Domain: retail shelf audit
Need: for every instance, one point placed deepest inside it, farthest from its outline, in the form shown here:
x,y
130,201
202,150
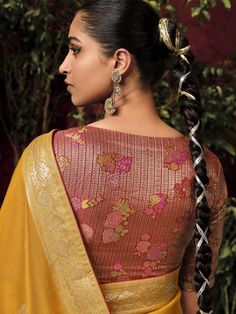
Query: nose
x,y
65,66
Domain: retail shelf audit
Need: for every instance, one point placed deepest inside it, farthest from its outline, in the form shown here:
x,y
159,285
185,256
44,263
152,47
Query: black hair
x,y
133,25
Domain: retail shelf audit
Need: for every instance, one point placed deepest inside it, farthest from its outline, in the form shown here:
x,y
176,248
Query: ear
x,y
123,60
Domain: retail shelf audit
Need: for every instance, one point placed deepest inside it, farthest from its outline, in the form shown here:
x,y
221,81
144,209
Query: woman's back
x,y
134,203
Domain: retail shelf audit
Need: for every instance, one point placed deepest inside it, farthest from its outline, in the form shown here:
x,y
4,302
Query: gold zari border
x,y
141,296
60,236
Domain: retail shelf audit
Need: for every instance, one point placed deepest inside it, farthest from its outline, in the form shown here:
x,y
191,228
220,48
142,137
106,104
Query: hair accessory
x,y
110,102
199,199
164,35
202,312
203,237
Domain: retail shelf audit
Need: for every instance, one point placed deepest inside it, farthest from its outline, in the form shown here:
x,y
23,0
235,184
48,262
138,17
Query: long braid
x,y
190,108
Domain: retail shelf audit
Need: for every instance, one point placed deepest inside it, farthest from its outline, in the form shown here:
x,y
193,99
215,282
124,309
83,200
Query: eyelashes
x,y
75,50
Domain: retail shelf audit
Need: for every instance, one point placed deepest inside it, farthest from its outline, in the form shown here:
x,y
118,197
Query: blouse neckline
x,y
178,138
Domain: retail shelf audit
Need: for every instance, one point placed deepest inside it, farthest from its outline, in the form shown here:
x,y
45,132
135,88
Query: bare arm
x,y
189,302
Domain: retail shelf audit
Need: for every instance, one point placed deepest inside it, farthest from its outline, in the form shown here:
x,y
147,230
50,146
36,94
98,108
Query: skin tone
x,y
88,76
85,65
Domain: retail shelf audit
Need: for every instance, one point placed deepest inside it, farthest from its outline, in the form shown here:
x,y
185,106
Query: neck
x,y
134,108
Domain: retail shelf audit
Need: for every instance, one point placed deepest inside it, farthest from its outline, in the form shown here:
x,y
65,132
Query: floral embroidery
x,y
115,165
154,254
143,245
119,273
157,253
183,189
116,223
63,162
76,137
174,158
78,203
156,205
113,180
88,232
148,269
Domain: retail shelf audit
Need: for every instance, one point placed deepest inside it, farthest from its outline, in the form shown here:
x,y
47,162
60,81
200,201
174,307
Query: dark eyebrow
x,y
73,38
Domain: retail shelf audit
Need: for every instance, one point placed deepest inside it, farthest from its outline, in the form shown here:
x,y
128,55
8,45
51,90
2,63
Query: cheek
x,y
89,74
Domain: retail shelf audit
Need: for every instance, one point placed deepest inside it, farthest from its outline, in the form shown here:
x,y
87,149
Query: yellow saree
x,y
44,267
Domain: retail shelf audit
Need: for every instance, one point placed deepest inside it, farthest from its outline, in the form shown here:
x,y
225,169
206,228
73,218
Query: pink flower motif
x,y
174,159
113,219
161,205
123,278
76,204
75,143
183,189
117,266
88,232
148,269
113,180
179,157
153,253
156,205
107,162
123,164
142,247
148,211
108,165
109,235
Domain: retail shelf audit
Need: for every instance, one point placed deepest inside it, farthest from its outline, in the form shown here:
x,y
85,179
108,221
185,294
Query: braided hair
x,y
190,108
134,25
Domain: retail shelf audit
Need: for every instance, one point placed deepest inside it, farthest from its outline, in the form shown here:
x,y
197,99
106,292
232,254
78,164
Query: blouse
x,y
133,199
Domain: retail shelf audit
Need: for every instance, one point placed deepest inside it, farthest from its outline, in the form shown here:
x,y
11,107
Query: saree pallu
x,y
44,267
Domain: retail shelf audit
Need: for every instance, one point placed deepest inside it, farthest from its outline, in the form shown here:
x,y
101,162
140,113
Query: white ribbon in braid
x,y
165,37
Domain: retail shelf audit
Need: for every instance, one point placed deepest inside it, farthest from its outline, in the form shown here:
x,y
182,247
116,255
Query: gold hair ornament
x,y
165,37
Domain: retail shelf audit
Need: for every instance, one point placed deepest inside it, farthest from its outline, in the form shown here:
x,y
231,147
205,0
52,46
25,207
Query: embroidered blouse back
x,y
132,196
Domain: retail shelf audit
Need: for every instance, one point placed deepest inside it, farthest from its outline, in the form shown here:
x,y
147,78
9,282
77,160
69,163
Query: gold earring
x,y
110,102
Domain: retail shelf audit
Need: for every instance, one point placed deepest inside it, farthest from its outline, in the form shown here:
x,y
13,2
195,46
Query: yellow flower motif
x,y
154,200
85,204
91,203
76,136
63,163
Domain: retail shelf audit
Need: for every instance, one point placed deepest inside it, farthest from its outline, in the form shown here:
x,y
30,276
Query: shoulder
x,y
42,141
76,135
217,186
213,163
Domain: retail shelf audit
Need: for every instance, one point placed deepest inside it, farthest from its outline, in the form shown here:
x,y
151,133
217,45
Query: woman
x,y
124,215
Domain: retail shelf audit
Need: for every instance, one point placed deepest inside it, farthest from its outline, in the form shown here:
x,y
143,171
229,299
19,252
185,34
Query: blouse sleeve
x,y
218,210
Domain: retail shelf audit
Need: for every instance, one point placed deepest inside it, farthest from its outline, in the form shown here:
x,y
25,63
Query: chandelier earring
x,y
110,102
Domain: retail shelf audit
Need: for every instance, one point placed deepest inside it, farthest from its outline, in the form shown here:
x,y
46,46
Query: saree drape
x,y
44,267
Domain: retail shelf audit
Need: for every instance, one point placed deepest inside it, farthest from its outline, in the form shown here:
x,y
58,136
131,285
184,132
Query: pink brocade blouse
x,y
132,196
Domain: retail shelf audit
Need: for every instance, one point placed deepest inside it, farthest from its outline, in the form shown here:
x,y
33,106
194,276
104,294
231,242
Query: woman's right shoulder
x,y
217,186
213,163
48,138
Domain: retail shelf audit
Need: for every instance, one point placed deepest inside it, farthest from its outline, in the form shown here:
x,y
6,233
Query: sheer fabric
x,y
132,197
